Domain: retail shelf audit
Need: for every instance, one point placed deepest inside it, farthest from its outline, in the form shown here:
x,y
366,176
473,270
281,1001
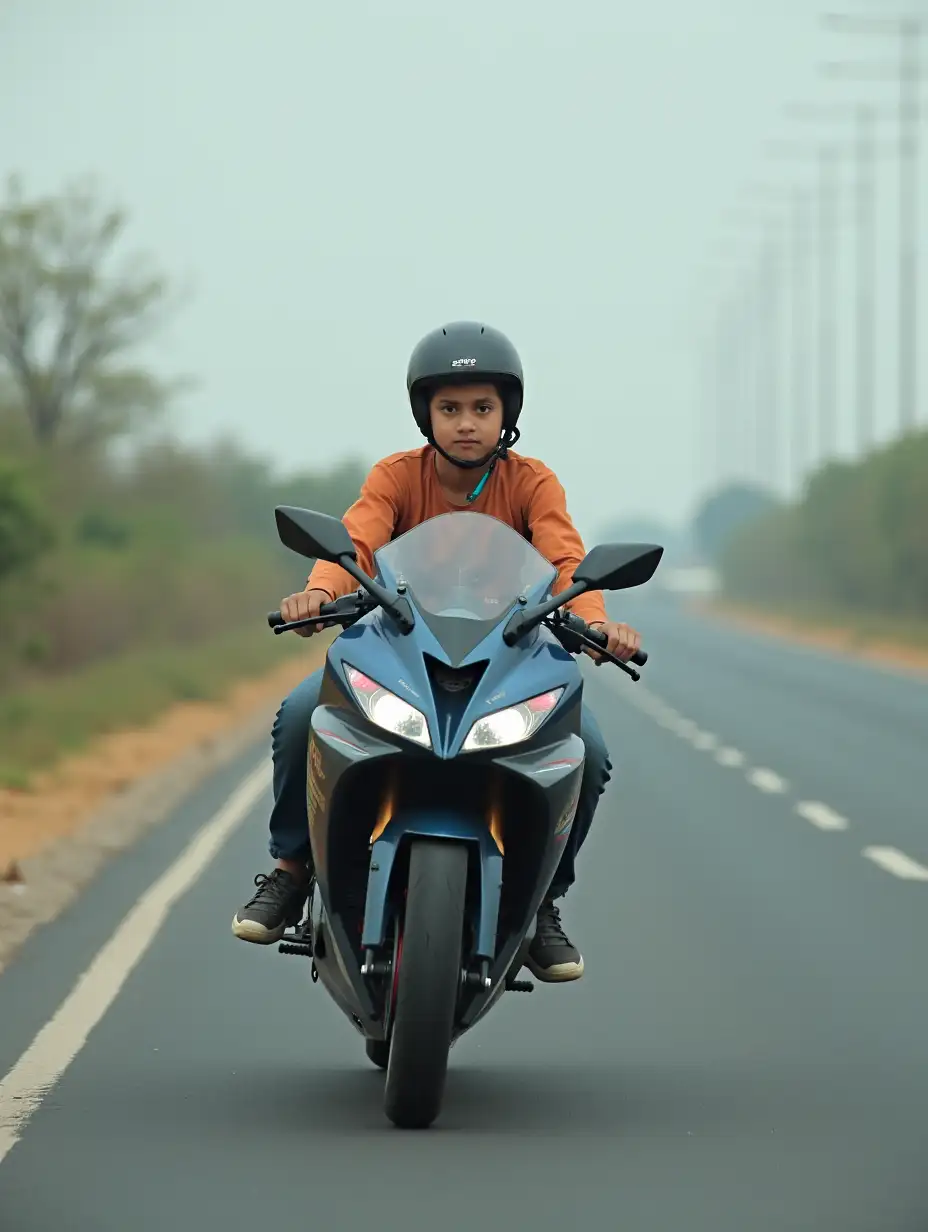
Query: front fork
x,y
438,824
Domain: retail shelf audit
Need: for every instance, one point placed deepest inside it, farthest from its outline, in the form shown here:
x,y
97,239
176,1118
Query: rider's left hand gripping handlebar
x,y
640,657
578,625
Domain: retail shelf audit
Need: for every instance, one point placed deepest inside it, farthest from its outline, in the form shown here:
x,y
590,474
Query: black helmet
x,y
466,352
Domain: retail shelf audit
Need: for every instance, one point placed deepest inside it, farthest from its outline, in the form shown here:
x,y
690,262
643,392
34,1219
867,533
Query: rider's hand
x,y
303,606
623,641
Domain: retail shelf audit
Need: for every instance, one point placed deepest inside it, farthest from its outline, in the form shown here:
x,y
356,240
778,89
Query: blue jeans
x,y
289,822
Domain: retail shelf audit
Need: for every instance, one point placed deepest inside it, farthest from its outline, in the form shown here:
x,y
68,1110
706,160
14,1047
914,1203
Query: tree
x,y
856,540
68,321
727,512
644,529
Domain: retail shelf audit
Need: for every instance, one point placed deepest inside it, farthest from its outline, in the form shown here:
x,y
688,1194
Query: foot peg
x,y
299,942
520,986
304,951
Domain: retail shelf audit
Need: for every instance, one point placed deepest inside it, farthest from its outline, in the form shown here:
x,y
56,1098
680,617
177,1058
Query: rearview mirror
x,y
315,535
618,566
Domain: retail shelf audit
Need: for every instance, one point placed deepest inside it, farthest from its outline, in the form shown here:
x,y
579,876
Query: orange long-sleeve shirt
x,y
403,490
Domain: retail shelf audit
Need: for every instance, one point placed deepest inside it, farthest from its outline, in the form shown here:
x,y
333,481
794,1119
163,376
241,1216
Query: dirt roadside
x,y
57,836
900,656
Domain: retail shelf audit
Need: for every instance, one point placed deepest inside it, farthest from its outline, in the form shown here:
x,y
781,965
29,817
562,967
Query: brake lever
x,y
610,658
327,622
574,641
300,624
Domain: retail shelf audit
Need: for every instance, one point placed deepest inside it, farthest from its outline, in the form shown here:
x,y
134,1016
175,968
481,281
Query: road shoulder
x,y
846,642
55,840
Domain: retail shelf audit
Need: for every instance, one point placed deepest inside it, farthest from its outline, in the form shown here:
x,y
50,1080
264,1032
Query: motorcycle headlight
x,y
387,710
512,725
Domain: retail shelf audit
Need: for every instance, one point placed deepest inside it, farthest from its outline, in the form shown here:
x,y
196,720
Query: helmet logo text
x,y
463,363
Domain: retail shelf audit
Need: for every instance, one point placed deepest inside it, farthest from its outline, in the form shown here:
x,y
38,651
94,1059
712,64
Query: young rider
x,y
465,385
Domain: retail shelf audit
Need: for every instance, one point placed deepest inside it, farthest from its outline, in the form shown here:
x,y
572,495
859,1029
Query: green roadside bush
x,y
856,542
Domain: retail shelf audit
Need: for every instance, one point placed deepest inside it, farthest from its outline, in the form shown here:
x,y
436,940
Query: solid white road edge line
x,y
61,1039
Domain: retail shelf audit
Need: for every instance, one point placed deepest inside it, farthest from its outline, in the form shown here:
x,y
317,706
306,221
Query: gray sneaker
x,y
551,956
277,904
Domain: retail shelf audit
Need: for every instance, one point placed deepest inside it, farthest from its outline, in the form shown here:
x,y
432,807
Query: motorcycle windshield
x,y
464,572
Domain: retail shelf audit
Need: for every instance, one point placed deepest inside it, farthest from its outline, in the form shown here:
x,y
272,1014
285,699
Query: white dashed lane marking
x,y
705,741
820,815
897,863
731,758
766,781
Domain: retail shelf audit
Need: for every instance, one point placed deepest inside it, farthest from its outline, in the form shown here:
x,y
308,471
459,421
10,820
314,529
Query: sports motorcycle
x,y
444,771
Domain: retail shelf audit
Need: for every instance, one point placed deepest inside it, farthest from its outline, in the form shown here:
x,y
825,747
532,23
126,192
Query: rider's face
x,y
467,420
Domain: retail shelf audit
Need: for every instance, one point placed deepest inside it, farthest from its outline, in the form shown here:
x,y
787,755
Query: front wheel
x,y
428,984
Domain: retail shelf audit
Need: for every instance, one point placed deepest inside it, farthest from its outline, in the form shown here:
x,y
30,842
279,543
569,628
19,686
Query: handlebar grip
x,y
640,657
328,611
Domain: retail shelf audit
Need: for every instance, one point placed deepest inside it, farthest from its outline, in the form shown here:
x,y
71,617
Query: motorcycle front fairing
x,y
369,789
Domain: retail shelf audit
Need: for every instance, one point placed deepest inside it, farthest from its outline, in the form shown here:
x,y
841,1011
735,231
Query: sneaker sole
x,y
560,973
257,934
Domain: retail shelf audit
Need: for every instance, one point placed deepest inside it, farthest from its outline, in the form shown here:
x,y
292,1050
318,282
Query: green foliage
x,y
173,547
857,541
726,513
129,582
40,722
165,545
102,528
25,533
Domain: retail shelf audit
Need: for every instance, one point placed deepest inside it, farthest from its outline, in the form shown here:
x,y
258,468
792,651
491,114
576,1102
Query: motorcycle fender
x,y
444,825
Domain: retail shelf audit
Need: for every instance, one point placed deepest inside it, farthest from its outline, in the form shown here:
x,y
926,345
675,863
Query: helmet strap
x,y
506,441
509,438
460,463
492,458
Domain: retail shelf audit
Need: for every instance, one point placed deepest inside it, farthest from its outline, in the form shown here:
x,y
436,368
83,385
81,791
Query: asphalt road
x,y
747,1050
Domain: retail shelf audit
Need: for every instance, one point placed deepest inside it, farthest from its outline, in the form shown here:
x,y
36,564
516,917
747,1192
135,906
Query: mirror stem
x,y
398,607
524,621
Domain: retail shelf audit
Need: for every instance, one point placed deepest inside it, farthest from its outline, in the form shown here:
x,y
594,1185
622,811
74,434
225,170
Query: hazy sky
x,y
337,178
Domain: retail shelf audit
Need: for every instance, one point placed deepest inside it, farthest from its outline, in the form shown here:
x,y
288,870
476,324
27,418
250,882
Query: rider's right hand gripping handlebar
x,y
276,621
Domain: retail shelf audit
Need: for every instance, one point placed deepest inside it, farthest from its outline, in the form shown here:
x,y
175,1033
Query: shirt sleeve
x,y
370,522
558,540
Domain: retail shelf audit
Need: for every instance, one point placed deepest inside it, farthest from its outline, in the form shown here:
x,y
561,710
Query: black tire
x,y
429,983
378,1051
